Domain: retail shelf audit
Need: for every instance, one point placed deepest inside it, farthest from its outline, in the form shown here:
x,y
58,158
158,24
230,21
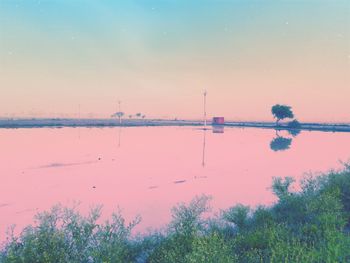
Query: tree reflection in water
x,y
294,132
280,143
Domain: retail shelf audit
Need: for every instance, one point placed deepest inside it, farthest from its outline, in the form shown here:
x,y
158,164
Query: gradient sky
x,y
158,56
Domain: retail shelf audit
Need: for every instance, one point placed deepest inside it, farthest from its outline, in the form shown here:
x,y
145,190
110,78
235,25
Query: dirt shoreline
x,y
60,123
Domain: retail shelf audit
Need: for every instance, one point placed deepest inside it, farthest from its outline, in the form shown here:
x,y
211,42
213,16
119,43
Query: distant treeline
x,y
311,225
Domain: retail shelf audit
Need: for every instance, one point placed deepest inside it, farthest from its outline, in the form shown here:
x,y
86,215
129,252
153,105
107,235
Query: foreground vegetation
x,y
311,225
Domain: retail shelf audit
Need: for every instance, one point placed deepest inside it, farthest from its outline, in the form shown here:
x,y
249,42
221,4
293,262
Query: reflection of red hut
x,y
218,121
218,129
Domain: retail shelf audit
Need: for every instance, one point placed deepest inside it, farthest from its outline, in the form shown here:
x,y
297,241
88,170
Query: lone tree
x,y
281,112
118,115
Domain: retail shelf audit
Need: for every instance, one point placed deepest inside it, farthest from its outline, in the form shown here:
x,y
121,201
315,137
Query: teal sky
x,y
158,56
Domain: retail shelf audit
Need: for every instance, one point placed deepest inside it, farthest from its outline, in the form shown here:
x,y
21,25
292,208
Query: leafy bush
x,y
186,226
211,248
311,225
237,215
63,235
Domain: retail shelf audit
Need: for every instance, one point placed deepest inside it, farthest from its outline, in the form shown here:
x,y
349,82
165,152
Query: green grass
x,y
311,225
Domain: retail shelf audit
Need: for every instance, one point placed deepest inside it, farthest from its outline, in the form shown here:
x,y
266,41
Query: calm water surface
x,y
147,170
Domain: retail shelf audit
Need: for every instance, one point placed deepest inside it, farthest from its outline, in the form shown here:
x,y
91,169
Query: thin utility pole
x,y
79,121
205,108
119,112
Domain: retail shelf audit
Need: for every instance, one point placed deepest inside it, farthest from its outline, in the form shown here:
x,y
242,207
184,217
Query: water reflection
x,y
156,168
119,135
215,129
280,143
218,129
57,165
203,153
294,132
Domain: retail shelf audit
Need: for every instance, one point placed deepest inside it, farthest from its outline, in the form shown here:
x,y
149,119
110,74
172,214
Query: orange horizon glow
x,y
157,58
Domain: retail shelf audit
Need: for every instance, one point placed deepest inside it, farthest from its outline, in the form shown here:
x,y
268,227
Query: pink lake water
x,y
147,170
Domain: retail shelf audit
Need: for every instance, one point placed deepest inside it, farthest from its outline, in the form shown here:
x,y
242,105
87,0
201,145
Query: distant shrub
x,y
294,124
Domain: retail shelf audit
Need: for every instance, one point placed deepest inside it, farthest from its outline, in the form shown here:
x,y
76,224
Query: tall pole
x,y
79,121
120,117
205,108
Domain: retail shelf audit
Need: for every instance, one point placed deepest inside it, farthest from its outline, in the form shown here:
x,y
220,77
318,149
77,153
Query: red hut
x,y
218,121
